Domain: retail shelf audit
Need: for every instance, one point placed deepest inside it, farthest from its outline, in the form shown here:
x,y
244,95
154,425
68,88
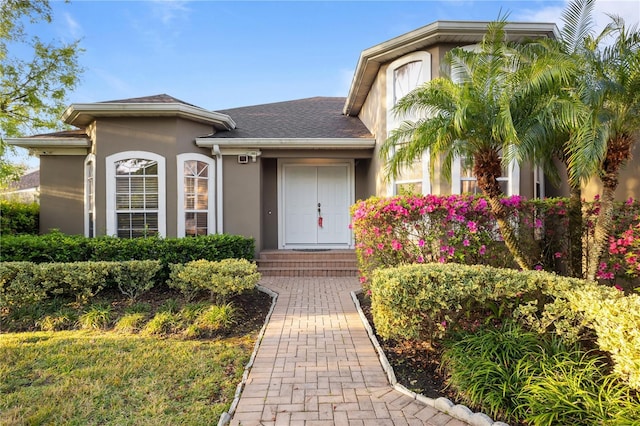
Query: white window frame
x,y
512,178
394,122
211,207
90,195
110,161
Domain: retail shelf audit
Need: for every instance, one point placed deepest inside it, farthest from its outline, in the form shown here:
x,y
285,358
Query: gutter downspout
x,y
215,150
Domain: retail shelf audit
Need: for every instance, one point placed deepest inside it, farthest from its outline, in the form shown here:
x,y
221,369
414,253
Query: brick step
x,y
308,272
296,263
290,263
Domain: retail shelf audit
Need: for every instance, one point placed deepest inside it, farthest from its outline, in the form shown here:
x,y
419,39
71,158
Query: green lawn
x,y
90,378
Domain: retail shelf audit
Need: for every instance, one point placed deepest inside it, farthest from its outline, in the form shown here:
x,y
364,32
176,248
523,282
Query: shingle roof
x,y
74,133
26,181
153,99
319,117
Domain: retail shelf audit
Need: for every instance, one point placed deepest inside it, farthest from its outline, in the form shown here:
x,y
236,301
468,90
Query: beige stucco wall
x,y
167,137
374,115
62,193
242,198
629,179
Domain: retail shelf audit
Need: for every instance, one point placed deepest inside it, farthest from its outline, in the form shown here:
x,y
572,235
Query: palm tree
x,y
594,114
559,109
604,142
469,118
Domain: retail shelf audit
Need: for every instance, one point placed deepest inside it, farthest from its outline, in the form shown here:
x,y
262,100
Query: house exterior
x,y
24,190
283,173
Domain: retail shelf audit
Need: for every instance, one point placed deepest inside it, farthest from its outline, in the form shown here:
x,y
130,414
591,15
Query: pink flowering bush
x,y
620,265
431,228
460,229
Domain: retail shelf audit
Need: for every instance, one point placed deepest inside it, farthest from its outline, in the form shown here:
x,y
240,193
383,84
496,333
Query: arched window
x,y
136,197
404,75
196,184
89,196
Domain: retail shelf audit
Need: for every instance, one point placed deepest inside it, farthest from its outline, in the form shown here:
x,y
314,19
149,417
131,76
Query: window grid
x,y
137,198
196,197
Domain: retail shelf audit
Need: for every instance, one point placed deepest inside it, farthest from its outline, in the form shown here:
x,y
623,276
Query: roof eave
x,y
288,143
371,59
81,115
49,142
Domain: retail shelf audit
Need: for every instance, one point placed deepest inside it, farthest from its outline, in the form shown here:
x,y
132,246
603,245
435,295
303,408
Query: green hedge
x,y
425,301
58,247
25,283
18,218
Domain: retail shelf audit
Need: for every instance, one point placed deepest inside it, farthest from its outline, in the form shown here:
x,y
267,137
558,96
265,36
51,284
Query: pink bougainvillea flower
x,y
420,259
396,245
618,287
473,227
421,243
538,267
465,242
557,255
380,246
482,250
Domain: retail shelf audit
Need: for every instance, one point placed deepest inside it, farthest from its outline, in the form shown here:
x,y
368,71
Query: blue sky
x,y
218,54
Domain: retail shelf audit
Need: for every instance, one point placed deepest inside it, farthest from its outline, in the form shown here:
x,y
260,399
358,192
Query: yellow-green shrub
x,y
423,301
222,279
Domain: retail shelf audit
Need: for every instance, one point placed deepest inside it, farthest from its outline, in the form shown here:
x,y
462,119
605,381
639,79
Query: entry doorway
x,y
315,200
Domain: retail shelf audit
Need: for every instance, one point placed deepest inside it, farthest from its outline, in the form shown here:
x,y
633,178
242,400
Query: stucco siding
x,y
166,137
62,194
242,198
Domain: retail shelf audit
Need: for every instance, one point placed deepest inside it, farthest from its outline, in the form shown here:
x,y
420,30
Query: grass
x,y
89,377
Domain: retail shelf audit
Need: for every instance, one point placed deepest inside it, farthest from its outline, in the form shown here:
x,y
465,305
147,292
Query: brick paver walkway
x,y
317,366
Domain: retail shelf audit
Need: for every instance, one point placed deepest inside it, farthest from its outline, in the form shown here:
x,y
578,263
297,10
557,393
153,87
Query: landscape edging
x,y
225,418
457,411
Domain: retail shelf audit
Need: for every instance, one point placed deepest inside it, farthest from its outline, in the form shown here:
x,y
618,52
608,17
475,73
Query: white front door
x,y
316,201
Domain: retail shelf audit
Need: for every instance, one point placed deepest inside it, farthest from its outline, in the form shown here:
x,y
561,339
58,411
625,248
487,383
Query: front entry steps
x,y
308,263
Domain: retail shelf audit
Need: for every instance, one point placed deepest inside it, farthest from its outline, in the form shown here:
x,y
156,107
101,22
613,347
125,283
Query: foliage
x,y
520,376
575,388
135,277
96,316
19,218
58,247
216,318
490,366
162,323
459,228
130,323
477,114
427,301
85,377
32,89
27,283
222,279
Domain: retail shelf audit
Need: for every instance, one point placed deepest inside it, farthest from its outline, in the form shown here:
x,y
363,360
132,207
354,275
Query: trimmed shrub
x,y
426,301
19,218
135,277
82,280
58,247
222,279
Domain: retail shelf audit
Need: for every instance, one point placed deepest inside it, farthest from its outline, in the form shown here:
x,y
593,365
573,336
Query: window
x,y
195,195
404,75
135,194
89,196
463,180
